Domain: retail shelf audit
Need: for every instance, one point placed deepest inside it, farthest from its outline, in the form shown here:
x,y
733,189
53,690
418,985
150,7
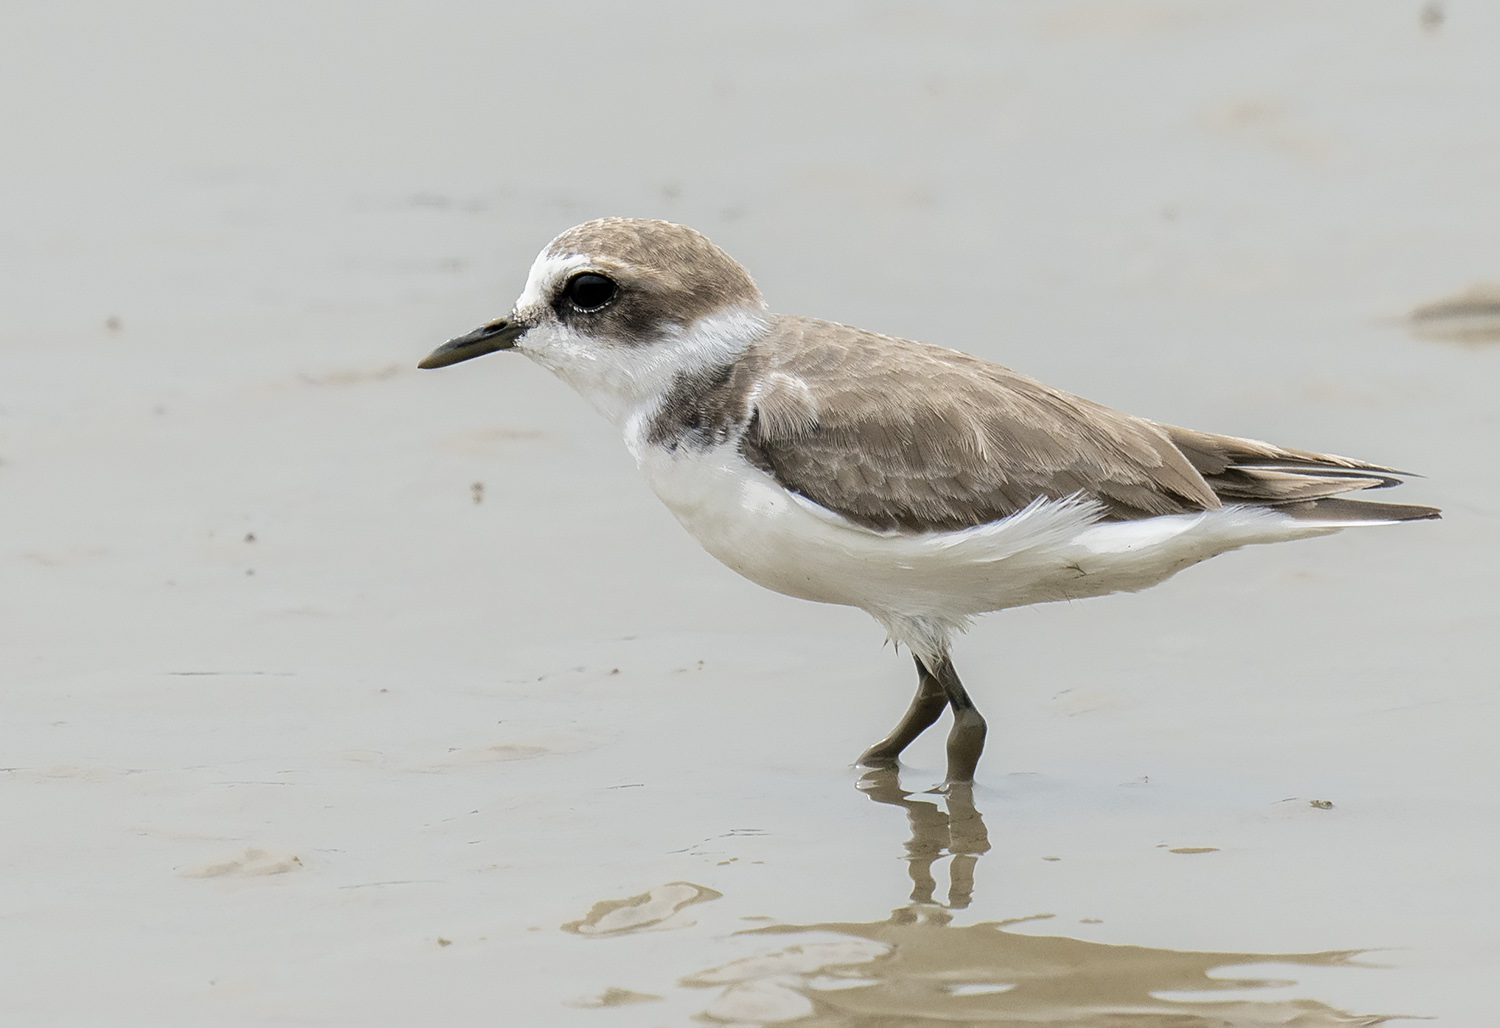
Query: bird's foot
x,y
876,757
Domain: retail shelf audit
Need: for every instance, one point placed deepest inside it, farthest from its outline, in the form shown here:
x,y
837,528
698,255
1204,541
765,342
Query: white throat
x,y
628,381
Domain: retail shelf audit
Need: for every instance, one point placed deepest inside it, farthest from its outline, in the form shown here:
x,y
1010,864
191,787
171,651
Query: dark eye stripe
x,y
589,291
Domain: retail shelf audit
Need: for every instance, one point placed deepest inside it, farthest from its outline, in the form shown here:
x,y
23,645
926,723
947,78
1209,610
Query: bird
x,y
921,484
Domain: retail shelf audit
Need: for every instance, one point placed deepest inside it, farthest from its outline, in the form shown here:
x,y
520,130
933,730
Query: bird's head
x,y
618,306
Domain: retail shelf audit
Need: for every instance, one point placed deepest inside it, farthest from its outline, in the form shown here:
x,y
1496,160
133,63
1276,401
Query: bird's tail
x,y
1306,485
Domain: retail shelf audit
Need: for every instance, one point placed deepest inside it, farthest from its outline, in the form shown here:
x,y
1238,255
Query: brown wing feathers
x,y
900,435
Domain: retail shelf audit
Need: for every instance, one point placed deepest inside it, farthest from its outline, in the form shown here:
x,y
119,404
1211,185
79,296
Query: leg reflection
x,y
957,831
916,967
967,842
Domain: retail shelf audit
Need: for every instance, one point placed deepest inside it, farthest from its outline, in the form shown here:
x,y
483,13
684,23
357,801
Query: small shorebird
x,y
920,484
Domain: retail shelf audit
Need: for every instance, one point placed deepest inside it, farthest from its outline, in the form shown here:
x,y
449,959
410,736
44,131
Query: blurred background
x,y
333,690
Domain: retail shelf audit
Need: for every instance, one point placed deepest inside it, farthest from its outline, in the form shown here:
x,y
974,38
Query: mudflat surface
x,y
338,693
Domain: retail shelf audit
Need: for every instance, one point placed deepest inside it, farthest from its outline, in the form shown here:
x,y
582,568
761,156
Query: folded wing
x,y
898,435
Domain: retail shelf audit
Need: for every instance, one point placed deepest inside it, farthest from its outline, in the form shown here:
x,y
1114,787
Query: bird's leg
x,y
966,738
926,707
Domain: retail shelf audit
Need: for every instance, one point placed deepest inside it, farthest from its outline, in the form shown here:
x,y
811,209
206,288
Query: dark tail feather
x,y
1302,483
1336,510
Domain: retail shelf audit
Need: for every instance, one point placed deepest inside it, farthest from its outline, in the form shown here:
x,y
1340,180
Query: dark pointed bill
x,y
497,335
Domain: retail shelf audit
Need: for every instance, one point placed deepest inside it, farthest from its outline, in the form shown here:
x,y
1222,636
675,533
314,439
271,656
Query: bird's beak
x,y
499,334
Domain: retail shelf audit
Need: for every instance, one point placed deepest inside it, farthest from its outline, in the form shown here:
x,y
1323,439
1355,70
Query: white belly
x,y
1053,550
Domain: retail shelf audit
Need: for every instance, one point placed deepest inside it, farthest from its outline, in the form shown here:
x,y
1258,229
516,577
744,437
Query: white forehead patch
x,y
545,272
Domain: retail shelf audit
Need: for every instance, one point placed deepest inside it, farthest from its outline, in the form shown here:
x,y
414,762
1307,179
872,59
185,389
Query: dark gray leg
x,y
925,708
966,738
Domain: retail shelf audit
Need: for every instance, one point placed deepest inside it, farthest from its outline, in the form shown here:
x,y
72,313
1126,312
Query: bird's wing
x,y
898,435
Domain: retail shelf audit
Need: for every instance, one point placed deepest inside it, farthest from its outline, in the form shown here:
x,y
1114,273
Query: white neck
x,y
627,382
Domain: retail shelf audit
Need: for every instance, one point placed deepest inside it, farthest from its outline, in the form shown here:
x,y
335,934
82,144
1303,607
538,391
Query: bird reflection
x,y
958,831
916,968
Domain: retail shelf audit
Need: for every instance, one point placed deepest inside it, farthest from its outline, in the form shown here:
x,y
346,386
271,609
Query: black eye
x,y
589,292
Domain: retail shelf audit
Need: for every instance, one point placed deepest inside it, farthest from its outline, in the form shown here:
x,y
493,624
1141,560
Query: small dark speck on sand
x,y
477,492
249,537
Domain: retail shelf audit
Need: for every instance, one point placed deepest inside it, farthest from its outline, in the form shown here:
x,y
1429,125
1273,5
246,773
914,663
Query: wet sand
x,y
341,693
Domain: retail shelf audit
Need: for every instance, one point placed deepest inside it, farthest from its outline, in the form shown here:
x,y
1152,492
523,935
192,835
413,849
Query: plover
x,y
918,483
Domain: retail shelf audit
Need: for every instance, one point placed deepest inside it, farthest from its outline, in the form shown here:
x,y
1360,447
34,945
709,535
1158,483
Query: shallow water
x,y
341,693
917,966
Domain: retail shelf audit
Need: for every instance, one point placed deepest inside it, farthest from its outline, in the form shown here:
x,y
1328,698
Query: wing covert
x,y
899,435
